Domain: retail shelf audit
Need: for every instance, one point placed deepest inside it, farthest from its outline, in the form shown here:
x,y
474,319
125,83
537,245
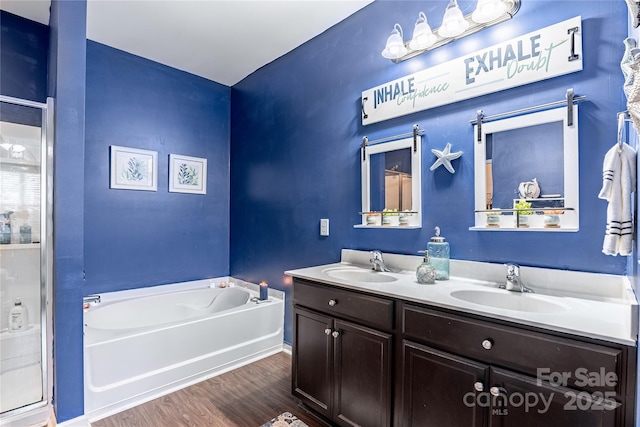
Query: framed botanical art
x,y
134,169
187,174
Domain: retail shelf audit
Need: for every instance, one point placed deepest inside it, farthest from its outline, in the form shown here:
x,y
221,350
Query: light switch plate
x,y
324,227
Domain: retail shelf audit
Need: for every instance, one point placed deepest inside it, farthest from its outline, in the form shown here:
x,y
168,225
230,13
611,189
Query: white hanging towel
x,y
618,182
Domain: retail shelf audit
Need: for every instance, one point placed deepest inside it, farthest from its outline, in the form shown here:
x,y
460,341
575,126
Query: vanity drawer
x,y
370,310
518,349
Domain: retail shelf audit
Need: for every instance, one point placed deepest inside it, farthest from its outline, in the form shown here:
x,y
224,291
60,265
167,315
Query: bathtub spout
x,y
258,300
91,299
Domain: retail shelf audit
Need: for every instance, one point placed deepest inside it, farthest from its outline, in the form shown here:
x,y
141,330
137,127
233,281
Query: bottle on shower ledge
x,y
439,255
25,233
18,317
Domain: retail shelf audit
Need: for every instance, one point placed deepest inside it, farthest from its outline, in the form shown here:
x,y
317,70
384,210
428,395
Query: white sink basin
x,y
359,275
508,300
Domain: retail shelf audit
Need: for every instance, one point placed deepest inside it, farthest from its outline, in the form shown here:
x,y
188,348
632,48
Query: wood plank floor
x,y
245,397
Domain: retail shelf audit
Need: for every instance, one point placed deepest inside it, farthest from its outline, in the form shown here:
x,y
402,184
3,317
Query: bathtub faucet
x,y
378,263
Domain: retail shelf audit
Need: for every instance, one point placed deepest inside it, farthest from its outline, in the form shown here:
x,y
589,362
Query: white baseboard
x,y
81,421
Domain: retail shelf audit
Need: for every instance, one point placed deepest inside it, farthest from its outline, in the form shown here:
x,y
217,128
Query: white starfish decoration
x,y
444,158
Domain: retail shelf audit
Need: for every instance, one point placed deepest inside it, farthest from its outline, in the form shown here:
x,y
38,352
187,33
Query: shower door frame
x,y
46,253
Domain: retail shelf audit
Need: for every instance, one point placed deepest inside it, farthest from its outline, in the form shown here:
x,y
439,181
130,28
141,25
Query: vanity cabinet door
x,y
342,370
362,375
312,361
522,401
440,389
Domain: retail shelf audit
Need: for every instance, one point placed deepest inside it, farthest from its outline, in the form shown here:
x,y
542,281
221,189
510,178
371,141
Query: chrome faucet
x,y
89,300
378,263
514,282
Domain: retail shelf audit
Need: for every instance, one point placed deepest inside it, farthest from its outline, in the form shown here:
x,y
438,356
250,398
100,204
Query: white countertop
x,y
599,306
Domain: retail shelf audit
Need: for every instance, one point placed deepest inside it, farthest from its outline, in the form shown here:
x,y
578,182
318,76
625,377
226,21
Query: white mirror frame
x,y
569,220
415,219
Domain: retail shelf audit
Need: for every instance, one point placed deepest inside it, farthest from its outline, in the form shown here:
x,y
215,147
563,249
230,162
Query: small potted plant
x,y
523,211
552,218
405,217
372,218
390,217
493,218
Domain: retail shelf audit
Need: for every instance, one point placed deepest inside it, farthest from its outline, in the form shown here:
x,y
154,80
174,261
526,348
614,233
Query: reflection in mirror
x,y
528,162
518,156
391,184
390,176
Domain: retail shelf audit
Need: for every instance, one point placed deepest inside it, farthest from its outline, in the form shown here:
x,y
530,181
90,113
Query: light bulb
x,y
423,37
453,23
488,10
395,48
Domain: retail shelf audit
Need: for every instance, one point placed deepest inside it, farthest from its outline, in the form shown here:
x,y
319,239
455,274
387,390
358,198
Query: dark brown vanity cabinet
x,y
342,368
435,385
443,389
361,359
460,371
520,404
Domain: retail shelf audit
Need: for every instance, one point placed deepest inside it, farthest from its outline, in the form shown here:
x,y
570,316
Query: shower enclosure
x,y
26,148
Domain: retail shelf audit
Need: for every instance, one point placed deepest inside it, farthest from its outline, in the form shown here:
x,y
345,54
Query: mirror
x,y
391,180
526,172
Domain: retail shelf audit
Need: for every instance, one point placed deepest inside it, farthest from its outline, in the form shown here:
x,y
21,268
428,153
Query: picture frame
x,y
133,169
187,174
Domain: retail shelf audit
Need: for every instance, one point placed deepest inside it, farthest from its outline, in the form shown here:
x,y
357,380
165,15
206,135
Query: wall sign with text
x,y
550,52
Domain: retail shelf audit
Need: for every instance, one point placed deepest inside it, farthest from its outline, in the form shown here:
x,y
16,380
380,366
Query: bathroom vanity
x,y
378,349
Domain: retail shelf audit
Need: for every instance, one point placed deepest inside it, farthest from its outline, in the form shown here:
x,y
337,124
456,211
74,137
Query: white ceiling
x,y
221,40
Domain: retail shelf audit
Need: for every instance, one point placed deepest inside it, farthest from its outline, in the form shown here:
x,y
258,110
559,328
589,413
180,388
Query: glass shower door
x,y
23,257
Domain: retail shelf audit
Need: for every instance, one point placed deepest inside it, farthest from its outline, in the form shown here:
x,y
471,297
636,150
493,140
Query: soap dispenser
x,y
439,255
426,273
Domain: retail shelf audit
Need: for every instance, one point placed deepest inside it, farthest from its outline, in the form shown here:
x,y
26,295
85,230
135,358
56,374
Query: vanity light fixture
x,y
395,47
423,37
454,26
453,22
488,10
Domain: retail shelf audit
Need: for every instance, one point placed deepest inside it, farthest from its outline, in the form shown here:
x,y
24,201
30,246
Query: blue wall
x,y
24,50
143,238
67,62
296,132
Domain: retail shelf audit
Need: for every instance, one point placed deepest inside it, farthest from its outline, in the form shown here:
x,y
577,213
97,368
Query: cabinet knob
x,y
478,386
495,391
332,302
335,334
327,331
487,344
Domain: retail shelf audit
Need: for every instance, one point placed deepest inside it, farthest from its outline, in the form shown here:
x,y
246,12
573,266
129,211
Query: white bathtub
x,y
141,344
